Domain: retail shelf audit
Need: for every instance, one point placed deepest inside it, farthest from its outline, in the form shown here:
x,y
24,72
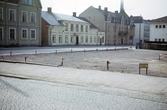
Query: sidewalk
x,y
128,82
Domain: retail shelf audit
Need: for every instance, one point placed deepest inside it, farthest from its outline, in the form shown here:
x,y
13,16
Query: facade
x,y
20,22
60,29
118,27
158,29
142,30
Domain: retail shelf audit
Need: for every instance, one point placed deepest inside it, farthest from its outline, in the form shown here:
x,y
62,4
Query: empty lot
x,y
124,61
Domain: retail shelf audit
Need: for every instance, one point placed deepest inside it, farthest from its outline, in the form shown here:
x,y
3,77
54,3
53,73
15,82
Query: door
x,y
77,40
100,41
122,41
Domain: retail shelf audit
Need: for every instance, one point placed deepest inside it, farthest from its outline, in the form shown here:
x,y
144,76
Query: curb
x,y
84,50
5,61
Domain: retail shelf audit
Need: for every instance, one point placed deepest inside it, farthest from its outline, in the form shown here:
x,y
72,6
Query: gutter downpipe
x,y
51,35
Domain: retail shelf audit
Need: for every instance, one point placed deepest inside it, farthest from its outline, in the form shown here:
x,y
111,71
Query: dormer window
x,y
29,2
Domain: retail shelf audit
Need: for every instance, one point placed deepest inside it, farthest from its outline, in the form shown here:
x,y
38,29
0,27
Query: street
x,y
26,86
19,94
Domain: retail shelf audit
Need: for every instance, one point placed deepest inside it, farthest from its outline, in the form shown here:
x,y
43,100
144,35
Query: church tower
x,y
122,6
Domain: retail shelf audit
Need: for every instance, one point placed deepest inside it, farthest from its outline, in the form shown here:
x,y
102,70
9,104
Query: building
x,y
158,29
142,30
20,22
118,27
60,30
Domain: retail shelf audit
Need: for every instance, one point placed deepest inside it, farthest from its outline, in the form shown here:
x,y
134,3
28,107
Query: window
x,y
60,39
156,26
33,34
86,28
24,16
1,13
1,33
66,29
12,15
33,17
12,33
81,39
54,38
159,40
72,39
155,39
28,2
95,39
77,28
81,28
90,39
86,39
98,40
66,39
160,26
164,26
108,28
146,35
163,40
72,27
24,33
102,39
109,18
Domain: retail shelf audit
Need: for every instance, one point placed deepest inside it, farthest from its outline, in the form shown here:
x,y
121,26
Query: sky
x,y
148,9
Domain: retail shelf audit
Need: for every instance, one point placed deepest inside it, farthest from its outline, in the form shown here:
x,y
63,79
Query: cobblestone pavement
x,y
17,94
124,61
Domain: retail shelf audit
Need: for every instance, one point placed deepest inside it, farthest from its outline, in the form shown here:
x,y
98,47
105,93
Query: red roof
x,y
11,1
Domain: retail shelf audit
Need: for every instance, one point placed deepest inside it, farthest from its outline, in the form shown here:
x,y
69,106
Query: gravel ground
x,y
124,61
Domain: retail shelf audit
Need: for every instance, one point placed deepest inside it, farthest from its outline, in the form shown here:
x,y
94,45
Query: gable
x,y
91,11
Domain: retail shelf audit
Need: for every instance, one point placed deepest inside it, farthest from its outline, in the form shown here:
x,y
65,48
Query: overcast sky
x,y
148,9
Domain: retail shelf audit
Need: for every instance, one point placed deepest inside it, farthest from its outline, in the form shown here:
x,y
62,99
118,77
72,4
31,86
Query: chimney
x,y
49,9
99,7
116,12
74,14
106,9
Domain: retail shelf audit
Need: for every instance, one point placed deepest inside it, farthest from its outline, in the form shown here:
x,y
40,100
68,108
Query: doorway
x,y
100,41
77,40
122,41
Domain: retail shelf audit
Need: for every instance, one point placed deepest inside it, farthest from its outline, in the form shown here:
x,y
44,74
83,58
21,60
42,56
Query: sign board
x,y
143,65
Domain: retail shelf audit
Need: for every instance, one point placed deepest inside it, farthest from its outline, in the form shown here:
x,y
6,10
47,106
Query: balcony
x,y
123,33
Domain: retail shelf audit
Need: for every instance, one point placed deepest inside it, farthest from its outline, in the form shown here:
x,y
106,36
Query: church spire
x,y
122,6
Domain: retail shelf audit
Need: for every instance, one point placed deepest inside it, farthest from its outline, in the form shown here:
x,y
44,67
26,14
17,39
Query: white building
x,y
142,30
60,29
158,29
